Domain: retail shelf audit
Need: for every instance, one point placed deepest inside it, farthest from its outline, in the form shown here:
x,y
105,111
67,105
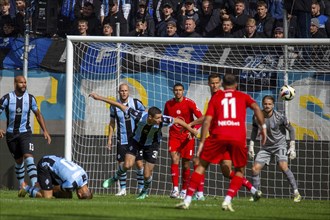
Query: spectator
x,y
9,29
250,30
116,16
301,9
187,11
227,26
4,14
79,7
278,32
107,29
275,9
82,27
20,14
143,15
171,29
209,21
88,14
239,18
140,29
315,29
161,28
316,13
190,28
158,6
264,21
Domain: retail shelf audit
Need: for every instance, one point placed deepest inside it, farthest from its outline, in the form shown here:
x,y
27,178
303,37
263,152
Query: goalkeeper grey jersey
x,y
277,124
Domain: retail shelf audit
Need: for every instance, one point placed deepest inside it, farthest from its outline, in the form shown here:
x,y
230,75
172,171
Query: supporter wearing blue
x,y
316,13
59,177
264,20
17,106
146,137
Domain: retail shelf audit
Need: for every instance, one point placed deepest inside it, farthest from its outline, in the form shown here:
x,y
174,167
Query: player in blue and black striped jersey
x,y
146,137
58,177
125,128
17,105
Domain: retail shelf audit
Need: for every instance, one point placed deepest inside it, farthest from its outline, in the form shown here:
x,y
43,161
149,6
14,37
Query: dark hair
x,y
268,97
178,84
229,79
154,111
213,75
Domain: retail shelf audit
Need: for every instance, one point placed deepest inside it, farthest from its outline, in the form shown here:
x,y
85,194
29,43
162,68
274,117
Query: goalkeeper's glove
x,y
251,150
292,151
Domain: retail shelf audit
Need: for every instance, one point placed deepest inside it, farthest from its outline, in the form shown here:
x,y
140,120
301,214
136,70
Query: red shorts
x,y
215,150
184,146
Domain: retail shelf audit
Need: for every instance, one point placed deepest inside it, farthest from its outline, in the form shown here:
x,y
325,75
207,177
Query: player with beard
x,y
17,105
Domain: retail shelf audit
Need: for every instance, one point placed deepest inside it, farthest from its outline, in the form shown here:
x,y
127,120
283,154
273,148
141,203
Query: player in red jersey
x,y
181,144
225,119
214,82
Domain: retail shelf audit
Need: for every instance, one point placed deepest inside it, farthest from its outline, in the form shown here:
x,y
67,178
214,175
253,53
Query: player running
x,y
277,124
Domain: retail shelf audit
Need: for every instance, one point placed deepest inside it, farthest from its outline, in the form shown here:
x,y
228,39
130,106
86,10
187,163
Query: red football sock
x,y
247,184
185,178
234,186
200,188
175,174
195,181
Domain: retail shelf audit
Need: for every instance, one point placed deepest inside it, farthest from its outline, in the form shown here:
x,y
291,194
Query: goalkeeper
x,y
277,124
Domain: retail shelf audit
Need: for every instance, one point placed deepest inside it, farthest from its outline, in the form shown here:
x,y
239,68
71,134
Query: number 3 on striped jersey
x,y
229,103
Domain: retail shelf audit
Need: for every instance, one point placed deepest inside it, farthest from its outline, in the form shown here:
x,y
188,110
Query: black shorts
x,y
150,153
122,150
45,177
19,144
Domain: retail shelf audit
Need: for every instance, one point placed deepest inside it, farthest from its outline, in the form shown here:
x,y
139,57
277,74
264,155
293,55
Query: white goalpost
x,y
151,66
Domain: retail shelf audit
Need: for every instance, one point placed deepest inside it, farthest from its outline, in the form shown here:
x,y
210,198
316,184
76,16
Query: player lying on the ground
x,y
58,177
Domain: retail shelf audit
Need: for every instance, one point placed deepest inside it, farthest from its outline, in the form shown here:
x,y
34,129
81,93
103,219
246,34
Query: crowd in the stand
x,y
171,18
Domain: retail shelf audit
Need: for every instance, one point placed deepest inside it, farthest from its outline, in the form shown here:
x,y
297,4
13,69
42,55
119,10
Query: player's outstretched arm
x,y
261,121
185,125
109,101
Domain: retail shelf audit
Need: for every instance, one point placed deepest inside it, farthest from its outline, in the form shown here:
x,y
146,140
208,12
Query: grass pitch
x,y
155,207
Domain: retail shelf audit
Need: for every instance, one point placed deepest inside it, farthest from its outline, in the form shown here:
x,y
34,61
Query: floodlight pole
x,y
26,40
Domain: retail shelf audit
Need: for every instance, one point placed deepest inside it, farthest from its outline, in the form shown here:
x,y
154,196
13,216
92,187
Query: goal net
x,y
151,66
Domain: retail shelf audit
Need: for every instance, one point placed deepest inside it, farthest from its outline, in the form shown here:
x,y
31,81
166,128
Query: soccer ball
x,y
287,93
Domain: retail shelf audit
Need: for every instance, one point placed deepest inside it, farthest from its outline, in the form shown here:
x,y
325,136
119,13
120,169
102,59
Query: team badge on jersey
x,y
178,112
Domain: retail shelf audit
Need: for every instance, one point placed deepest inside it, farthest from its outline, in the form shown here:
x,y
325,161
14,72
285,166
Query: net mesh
x,y
151,70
